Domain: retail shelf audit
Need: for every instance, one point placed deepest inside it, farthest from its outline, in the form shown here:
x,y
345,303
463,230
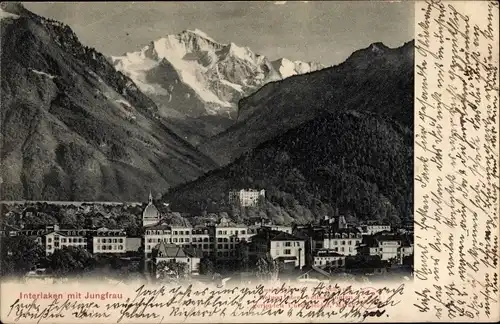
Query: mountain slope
x,y
75,129
375,79
358,162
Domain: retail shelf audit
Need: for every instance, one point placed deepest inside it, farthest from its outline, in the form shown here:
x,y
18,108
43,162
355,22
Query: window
x,y
175,232
288,251
49,247
205,246
226,246
181,240
175,240
219,246
242,232
187,239
63,240
49,240
219,239
288,243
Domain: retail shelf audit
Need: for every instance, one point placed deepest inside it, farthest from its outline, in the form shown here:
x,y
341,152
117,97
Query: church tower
x,y
150,215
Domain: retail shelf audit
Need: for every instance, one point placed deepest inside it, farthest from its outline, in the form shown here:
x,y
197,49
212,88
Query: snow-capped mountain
x,y
190,74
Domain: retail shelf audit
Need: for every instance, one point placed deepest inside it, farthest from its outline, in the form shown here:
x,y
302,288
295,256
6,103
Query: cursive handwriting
x,y
456,157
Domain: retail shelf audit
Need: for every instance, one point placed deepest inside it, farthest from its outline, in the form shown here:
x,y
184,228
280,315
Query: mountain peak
x,y
378,47
199,33
214,76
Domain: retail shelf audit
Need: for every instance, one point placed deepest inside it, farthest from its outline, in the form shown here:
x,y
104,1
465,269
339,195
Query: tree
x,y
267,268
206,266
171,270
71,261
262,269
242,252
408,260
19,255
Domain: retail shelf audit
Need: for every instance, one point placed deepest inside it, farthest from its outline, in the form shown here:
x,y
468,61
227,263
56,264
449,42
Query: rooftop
x,y
165,250
273,235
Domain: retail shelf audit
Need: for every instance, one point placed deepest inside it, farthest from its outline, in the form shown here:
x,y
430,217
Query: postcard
x,y
249,162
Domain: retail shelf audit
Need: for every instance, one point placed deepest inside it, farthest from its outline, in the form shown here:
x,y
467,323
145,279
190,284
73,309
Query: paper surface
x,y
456,214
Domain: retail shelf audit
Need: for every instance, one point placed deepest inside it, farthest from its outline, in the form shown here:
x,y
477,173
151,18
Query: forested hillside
x,y
358,162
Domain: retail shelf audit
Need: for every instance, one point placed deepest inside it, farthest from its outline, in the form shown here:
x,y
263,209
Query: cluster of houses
x,y
323,246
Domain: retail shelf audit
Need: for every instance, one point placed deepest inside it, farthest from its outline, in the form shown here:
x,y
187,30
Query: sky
x,y
321,31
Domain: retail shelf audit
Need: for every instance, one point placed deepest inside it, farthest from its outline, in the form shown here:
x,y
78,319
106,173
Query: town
x,y
257,249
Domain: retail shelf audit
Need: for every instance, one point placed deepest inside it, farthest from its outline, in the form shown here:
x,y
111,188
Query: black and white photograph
x,y
213,142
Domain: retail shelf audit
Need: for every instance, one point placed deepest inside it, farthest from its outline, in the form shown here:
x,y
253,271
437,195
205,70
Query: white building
x,y
59,239
109,241
282,246
202,238
387,245
154,234
227,237
343,241
246,198
325,257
